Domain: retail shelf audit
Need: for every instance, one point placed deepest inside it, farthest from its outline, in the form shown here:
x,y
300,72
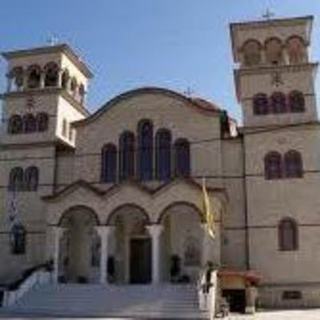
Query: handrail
x,y
30,278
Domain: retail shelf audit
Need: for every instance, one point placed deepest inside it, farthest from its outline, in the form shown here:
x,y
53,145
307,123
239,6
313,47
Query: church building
x,y
116,197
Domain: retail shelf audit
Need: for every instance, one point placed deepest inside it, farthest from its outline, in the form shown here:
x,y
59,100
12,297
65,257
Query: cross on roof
x,y
52,40
268,14
188,92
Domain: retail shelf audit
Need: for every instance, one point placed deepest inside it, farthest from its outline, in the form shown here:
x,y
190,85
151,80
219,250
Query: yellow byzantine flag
x,y
208,214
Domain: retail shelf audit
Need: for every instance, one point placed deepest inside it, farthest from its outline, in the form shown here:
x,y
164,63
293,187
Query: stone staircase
x,y
126,301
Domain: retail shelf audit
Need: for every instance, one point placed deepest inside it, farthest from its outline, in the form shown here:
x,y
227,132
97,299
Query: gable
x,y
184,117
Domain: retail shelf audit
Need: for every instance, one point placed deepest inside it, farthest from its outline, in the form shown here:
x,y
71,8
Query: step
x,y
137,301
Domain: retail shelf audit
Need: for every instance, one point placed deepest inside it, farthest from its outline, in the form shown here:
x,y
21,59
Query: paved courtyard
x,y
281,314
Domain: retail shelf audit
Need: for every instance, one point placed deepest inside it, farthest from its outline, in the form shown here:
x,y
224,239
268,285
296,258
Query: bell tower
x,y
46,90
274,77
45,93
274,81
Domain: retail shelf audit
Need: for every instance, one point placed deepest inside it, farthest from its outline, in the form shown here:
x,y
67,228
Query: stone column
x,y
57,234
155,232
42,79
60,73
285,55
104,232
25,80
9,83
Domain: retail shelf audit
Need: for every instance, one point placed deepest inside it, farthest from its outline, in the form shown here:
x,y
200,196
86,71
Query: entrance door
x,y
236,299
140,260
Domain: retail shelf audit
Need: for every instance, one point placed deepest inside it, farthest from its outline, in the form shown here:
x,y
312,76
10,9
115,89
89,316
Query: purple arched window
x,y
145,150
273,165
163,154
29,123
293,164
296,101
109,163
17,238
182,158
288,235
15,124
260,104
126,156
31,179
16,179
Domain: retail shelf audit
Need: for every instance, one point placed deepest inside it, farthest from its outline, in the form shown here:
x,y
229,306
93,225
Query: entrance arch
x,y
80,245
183,238
131,247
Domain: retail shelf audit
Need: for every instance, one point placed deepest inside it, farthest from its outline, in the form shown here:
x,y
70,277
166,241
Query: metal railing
x,y
15,291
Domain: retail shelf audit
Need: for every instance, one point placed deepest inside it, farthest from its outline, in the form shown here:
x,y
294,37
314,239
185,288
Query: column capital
x,y
58,231
104,230
155,230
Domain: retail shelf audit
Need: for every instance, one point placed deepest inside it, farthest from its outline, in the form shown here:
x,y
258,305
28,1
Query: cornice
x,y
60,48
284,68
283,22
45,91
27,145
131,183
311,125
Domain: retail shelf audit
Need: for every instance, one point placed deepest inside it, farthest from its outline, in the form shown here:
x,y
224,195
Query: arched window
x,y
260,104
278,102
296,50
29,123
65,79
126,155
17,238
252,53
296,101
74,86
163,155
31,178
15,124
182,158
273,48
288,235
51,74
145,150
82,93
293,164
16,179
42,121
109,163
273,165
16,74
34,75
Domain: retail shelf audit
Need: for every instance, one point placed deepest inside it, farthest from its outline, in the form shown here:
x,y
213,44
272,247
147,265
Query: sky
x,y
182,45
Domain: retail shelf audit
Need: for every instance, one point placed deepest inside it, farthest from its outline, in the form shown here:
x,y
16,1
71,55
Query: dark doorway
x,y
236,299
140,260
